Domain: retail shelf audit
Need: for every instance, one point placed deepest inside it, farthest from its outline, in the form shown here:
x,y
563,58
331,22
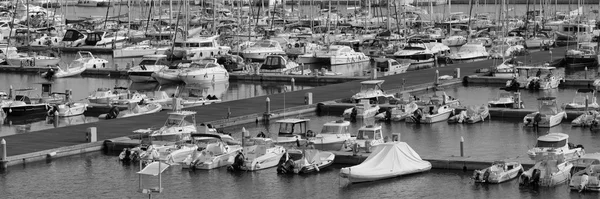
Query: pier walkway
x,y
25,143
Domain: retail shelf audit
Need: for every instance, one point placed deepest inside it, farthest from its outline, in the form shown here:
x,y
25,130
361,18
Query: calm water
x,y
84,86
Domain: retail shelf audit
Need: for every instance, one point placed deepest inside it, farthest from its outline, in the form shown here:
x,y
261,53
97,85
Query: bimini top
x,y
553,137
292,120
372,82
183,113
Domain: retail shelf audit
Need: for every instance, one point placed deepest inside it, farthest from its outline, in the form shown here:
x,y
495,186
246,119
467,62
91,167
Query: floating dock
x,y
56,142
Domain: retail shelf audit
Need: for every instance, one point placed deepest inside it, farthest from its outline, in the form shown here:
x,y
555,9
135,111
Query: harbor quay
x,y
48,143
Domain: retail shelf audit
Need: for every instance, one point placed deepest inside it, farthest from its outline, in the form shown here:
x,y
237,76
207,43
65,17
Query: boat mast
x,y
27,18
106,16
176,30
469,23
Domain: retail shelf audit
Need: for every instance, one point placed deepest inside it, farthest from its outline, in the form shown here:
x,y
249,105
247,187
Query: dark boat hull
x,y
34,109
579,62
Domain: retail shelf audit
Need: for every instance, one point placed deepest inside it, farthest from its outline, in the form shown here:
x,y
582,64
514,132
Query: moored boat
x,y
547,173
499,172
262,155
212,152
586,173
555,144
333,136
549,114
388,160
304,161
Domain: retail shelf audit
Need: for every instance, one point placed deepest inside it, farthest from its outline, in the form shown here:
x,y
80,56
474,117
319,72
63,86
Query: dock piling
x,y
457,73
374,73
293,83
316,72
3,161
585,69
90,135
308,98
462,140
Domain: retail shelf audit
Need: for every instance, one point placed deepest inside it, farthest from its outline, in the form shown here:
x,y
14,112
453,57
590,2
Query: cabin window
x,y
378,134
178,44
193,45
365,135
550,144
206,44
148,62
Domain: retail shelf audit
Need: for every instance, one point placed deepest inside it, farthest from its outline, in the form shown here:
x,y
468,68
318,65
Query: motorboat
x,y
469,52
31,60
398,113
67,108
67,72
371,90
504,100
499,172
547,173
430,114
387,66
586,173
297,161
149,64
334,136
506,69
588,118
334,55
584,55
485,41
199,73
106,95
440,98
170,75
502,51
292,132
471,115
179,126
367,137
584,99
134,109
417,54
548,115
103,39
263,154
261,49
556,144
454,41
539,40
277,64
86,59
197,48
130,98
138,50
388,160
212,152
361,111
22,105
544,79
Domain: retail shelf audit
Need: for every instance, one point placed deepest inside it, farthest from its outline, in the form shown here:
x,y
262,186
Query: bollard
x,y
3,150
268,105
462,140
3,161
293,83
228,112
323,71
302,68
403,83
355,149
308,98
586,103
517,100
374,75
90,135
586,69
437,77
316,73
457,73
55,118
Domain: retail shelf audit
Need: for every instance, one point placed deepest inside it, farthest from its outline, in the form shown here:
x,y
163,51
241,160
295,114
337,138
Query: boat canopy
x,y
335,127
552,140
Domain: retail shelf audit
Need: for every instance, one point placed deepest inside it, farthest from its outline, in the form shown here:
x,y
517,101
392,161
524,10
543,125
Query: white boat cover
x,y
387,160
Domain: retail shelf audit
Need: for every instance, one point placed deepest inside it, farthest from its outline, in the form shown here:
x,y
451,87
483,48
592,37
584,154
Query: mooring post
x,y
437,77
374,71
3,161
462,141
293,83
90,135
586,69
403,83
457,73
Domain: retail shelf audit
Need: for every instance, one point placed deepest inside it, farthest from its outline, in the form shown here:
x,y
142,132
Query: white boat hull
x,y
204,78
75,109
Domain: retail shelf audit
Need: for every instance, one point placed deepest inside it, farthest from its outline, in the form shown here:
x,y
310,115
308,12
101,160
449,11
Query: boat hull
x,y
141,76
328,146
76,109
26,110
204,78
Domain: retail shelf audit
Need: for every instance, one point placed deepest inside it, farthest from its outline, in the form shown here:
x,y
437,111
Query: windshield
x,y
148,62
365,134
547,144
334,129
368,87
266,44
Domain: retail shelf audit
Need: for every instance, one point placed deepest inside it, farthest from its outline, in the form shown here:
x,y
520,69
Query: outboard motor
x,y
49,74
238,162
113,113
535,177
286,166
353,114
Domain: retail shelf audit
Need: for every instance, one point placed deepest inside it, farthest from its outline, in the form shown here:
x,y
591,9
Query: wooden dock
x,y
20,146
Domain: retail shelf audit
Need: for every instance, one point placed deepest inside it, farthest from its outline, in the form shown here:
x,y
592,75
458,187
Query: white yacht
x,y
454,41
149,64
197,48
368,136
212,152
262,154
333,136
179,126
261,49
279,65
371,90
204,73
538,40
417,53
87,59
431,114
469,52
548,115
93,3
334,55
555,144
505,51
106,95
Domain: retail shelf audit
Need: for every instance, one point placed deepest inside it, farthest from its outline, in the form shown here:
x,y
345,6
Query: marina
x,y
299,99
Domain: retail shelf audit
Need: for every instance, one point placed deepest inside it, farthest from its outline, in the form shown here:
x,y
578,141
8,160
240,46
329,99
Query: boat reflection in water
x,y
18,125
